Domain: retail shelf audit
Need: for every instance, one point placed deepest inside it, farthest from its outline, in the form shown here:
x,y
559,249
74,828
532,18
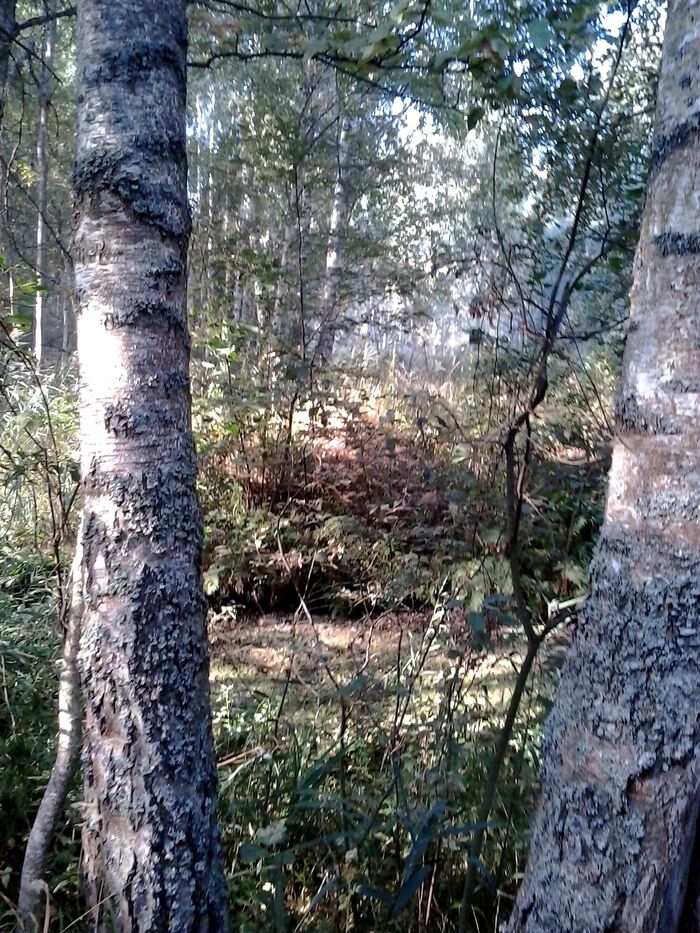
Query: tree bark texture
x,y
151,850
612,846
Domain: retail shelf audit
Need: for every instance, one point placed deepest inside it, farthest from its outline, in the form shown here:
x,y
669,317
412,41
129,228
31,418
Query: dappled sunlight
x,y
362,275
407,704
104,358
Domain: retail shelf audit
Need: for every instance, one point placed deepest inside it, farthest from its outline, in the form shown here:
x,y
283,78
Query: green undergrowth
x,y
363,500
30,646
352,767
364,636
351,781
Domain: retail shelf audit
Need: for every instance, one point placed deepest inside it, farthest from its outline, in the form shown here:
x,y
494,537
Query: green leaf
x,y
474,116
540,33
249,852
356,685
211,581
272,834
20,320
407,890
568,90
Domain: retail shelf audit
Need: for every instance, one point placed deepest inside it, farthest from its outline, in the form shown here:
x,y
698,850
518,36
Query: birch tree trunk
x,y
244,292
151,850
279,316
612,846
42,168
331,281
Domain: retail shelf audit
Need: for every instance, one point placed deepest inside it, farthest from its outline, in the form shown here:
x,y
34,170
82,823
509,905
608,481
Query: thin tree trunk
x,y
613,838
278,314
42,195
8,33
68,313
329,297
208,209
152,856
68,744
244,289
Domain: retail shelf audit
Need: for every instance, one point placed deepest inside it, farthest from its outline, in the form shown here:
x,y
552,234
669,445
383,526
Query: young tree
x,y
612,846
151,849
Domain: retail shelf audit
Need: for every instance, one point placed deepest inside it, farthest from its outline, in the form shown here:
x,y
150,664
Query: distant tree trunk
x,y
8,33
203,185
612,847
208,210
45,82
244,290
298,324
278,314
68,312
329,297
151,850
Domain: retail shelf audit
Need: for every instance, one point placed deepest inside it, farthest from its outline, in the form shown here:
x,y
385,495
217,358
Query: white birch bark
x,y
45,82
151,850
612,846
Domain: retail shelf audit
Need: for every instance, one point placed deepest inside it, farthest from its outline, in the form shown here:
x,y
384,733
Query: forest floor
x,y
270,642
302,661
270,645
340,740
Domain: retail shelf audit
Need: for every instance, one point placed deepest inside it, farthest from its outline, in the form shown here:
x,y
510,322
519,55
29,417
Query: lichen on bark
x,y
613,844
151,849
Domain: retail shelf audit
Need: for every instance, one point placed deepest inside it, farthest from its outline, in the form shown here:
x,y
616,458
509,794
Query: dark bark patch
x,y
156,202
135,60
159,504
167,383
684,384
678,244
632,418
126,419
150,313
681,136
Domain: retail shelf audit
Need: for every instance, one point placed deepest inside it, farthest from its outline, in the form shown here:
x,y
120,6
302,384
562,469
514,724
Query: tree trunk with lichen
x,y
612,846
151,850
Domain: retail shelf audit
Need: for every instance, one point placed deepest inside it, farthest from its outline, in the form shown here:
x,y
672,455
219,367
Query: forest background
x,y
413,236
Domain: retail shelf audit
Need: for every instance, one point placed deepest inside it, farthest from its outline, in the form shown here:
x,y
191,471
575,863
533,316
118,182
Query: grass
x,y
354,738
351,759
351,752
29,650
